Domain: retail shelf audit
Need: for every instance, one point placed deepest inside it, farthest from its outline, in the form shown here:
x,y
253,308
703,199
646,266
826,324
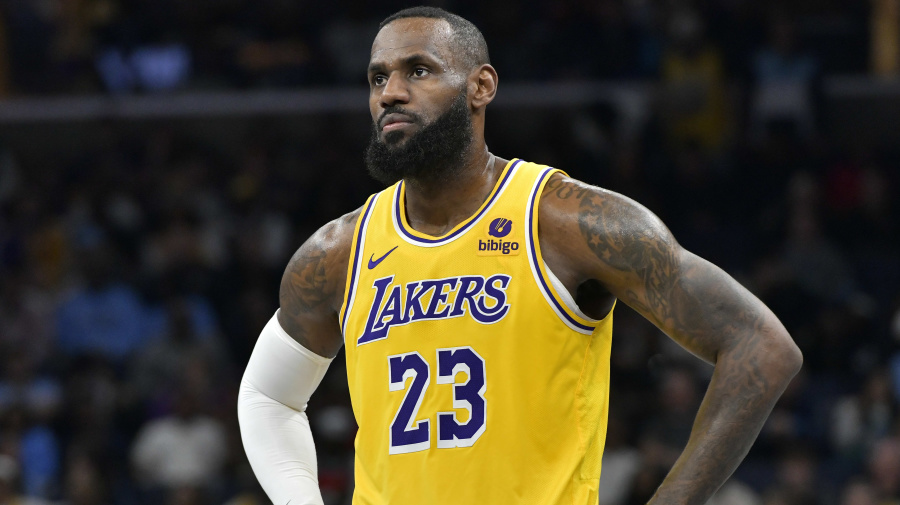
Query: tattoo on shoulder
x,y
312,285
565,189
614,232
698,304
304,291
310,279
306,285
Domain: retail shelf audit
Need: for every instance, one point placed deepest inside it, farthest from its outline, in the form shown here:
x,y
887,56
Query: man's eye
x,y
420,72
378,80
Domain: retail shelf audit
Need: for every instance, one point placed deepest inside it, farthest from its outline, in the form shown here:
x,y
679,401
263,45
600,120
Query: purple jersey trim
x,y
532,251
359,248
465,227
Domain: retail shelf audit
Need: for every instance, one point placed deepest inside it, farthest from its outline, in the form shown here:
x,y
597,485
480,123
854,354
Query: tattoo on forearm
x,y
740,398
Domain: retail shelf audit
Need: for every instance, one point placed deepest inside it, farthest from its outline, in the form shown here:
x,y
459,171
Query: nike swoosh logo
x,y
373,264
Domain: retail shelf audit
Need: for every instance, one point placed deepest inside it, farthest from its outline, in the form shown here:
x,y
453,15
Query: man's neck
x,y
435,209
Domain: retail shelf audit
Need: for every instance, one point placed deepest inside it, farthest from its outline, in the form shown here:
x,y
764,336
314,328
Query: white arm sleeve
x,y
280,378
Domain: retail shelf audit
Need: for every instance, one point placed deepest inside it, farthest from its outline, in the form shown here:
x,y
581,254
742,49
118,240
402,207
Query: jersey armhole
x,y
356,259
562,304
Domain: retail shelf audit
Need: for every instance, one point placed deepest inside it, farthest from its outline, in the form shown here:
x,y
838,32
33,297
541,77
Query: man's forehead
x,y
409,35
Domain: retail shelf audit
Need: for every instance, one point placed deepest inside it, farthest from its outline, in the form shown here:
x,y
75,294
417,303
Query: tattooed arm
x,y
634,256
312,288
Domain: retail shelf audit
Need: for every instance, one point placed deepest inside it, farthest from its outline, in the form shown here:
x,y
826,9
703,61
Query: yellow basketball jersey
x,y
473,376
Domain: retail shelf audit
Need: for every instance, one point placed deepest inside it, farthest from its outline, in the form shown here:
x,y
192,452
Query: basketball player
x,y
474,300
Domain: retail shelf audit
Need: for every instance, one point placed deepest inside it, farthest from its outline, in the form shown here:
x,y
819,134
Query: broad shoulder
x,y
317,271
312,287
600,232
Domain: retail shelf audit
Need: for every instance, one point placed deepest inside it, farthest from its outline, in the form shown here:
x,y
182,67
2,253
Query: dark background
x,y
160,160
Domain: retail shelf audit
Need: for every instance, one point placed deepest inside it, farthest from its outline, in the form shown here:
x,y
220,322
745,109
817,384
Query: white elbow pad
x,y
278,382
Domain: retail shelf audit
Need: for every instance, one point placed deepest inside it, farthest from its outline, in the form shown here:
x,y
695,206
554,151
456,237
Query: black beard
x,y
432,156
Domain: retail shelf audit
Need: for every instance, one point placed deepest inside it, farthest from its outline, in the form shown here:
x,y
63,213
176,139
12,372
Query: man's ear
x,y
483,86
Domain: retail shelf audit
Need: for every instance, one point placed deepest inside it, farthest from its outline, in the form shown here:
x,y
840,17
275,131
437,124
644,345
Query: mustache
x,y
396,109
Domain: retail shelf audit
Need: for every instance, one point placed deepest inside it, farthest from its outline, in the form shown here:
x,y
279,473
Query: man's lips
x,y
395,126
395,121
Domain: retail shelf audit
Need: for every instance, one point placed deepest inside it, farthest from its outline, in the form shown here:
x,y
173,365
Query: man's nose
x,y
395,91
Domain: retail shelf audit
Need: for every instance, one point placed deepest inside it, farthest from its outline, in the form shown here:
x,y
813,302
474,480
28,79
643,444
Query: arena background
x,y
160,160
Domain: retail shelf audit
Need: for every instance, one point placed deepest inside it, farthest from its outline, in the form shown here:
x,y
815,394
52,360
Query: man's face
x,y
412,77
421,122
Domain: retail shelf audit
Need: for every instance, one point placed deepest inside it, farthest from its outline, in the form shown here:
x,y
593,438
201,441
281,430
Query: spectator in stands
x,y
184,449
815,263
104,316
784,79
693,101
185,341
859,420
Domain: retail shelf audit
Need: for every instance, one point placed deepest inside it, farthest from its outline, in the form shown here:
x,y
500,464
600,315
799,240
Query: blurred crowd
x,y
136,273
146,46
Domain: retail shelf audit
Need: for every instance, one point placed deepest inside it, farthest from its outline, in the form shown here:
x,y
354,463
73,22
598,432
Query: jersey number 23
x,y
409,434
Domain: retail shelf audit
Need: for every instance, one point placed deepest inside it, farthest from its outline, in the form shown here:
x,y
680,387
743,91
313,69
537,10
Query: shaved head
x,y
468,44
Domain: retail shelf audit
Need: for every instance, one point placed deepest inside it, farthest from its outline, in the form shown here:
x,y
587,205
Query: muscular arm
x,y
624,246
312,288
